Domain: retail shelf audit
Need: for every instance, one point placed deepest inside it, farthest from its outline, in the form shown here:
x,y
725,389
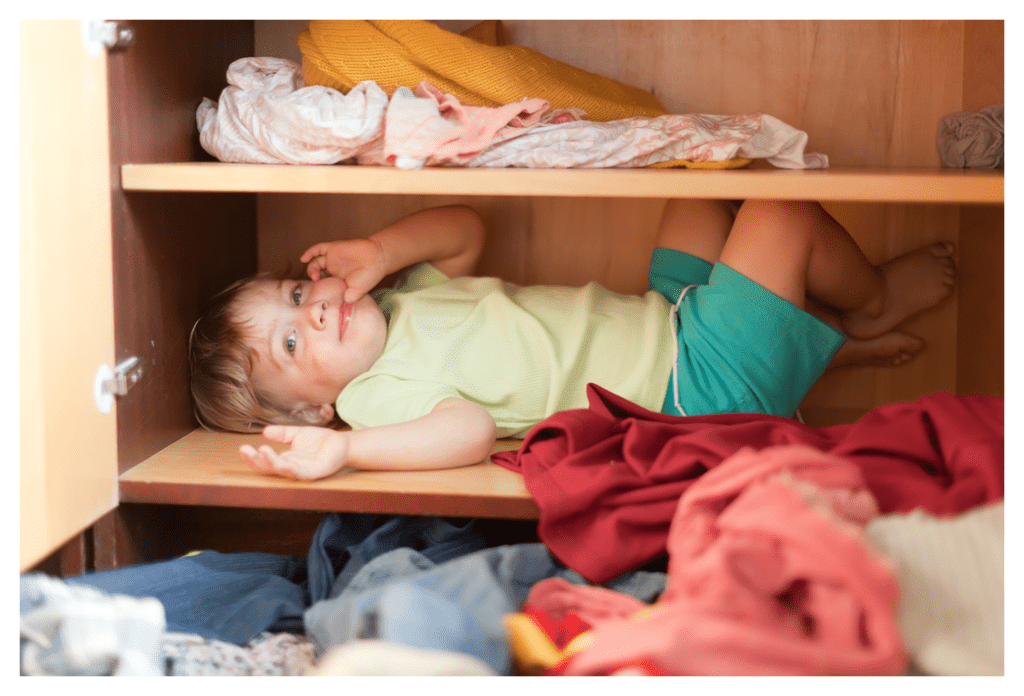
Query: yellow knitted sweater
x,y
396,53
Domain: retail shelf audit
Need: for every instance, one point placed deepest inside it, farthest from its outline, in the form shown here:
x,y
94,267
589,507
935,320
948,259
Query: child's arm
x,y
455,433
450,237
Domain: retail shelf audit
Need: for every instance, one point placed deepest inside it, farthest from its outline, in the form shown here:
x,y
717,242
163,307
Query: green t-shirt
x,y
523,353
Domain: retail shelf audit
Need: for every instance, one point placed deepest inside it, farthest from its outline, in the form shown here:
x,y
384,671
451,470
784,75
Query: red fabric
x,y
560,629
607,479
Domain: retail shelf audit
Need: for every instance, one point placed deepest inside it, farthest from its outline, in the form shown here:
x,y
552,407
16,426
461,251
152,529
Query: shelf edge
x,y
848,184
329,500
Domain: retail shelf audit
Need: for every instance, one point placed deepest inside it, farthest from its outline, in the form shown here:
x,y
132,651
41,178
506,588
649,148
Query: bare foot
x,y
914,282
888,350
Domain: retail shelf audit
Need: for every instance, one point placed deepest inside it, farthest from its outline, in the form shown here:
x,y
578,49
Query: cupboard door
x,y
68,447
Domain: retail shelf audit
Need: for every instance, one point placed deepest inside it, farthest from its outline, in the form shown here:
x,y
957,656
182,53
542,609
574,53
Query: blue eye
x,y
297,295
289,342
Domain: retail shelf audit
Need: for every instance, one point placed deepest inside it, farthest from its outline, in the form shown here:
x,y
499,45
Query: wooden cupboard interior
x,y
870,95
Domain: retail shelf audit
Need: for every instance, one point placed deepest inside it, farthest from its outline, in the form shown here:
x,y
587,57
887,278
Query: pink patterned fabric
x,y
769,574
428,127
643,141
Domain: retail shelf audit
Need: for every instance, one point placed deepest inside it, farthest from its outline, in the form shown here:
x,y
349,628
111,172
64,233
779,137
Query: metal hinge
x,y
98,34
110,383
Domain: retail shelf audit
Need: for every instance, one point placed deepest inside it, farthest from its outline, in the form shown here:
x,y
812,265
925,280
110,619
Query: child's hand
x,y
315,452
361,263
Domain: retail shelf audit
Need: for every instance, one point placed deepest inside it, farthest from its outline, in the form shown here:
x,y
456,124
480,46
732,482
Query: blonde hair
x,y
220,369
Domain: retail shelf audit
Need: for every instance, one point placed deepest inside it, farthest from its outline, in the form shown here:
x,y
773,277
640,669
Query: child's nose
x,y
317,313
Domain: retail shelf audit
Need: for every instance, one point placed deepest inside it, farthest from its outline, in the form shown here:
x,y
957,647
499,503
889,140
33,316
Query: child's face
x,y
310,344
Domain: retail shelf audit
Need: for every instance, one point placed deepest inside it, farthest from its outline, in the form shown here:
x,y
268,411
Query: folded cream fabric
x,y
950,571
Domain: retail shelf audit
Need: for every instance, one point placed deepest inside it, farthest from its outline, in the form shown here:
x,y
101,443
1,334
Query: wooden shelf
x,y
921,185
204,468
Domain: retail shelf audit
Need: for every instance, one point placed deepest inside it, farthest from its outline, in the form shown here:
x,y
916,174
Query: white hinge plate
x,y
110,383
98,34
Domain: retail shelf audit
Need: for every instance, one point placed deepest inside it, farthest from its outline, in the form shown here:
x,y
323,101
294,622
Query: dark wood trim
x,y
71,559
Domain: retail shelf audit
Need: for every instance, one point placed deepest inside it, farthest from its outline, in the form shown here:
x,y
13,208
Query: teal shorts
x,y
742,349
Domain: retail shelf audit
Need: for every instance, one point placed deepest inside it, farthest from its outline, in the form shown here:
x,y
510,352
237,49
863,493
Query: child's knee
x,y
788,220
695,226
780,210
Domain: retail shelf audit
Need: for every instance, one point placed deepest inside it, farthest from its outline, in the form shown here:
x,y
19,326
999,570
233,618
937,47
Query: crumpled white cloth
x,y
77,630
378,658
266,115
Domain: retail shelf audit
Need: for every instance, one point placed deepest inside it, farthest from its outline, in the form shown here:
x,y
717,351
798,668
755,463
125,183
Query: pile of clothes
x,y
871,548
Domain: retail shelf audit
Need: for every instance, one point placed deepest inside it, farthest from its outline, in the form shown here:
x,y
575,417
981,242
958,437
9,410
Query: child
x,y
428,373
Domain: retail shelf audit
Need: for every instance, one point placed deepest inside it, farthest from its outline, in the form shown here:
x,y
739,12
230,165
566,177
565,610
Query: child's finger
x,y
319,249
267,461
275,461
280,433
282,466
316,266
352,294
255,460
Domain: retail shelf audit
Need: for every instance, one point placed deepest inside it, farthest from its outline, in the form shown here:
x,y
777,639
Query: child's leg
x,y
701,227
696,227
890,349
796,250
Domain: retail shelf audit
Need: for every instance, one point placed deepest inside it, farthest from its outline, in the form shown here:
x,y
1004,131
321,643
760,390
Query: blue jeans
x,y
235,597
404,597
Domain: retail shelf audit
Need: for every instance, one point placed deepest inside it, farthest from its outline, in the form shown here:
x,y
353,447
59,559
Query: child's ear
x,y
314,414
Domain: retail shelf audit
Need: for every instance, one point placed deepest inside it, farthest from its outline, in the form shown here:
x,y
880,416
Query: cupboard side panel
x,y
981,335
980,340
171,251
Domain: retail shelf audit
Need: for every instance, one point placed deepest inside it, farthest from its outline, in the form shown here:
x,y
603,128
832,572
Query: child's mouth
x,y
346,318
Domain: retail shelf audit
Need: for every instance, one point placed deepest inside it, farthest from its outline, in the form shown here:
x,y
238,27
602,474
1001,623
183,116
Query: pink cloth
x,y
768,575
427,127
